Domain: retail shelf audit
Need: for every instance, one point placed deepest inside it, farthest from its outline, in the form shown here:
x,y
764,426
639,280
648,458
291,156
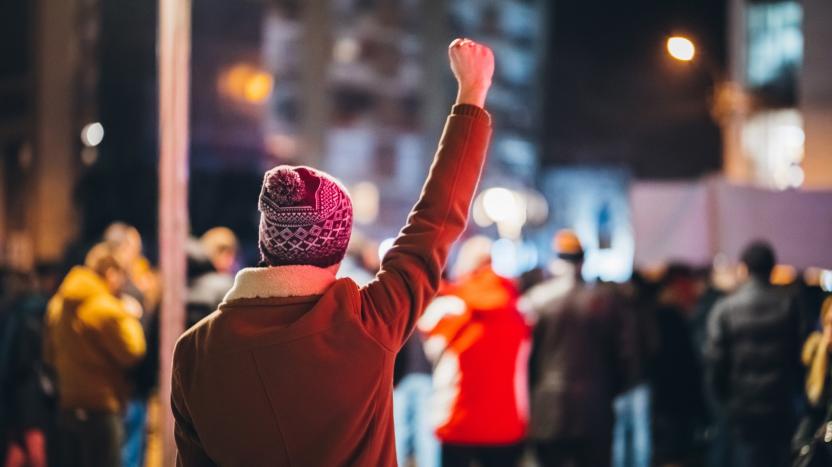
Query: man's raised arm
x,y
412,269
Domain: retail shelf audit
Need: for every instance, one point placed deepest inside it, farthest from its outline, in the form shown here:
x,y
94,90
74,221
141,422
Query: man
x,y
582,357
92,340
480,344
753,356
142,285
678,405
29,397
296,367
210,268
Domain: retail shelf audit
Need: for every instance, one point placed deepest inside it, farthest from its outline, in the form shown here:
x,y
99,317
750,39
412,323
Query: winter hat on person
x,y
568,246
305,218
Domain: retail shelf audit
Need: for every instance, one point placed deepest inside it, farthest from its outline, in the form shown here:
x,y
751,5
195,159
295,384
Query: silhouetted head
x,y
759,259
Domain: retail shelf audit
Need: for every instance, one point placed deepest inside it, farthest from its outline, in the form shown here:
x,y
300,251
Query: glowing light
x,y
792,135
479,214
796,176
826,280
500,204
258,88
246,83
384,247
92,134
681,48
89,156
512,258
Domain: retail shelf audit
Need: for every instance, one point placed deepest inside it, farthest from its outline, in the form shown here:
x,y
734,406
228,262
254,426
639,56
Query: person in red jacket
x,y
481,344
295,368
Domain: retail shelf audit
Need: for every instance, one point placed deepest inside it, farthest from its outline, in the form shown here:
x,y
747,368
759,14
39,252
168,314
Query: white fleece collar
x,y
281,282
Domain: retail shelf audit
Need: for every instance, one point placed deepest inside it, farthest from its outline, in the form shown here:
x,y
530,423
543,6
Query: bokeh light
x,y
681,48
92,134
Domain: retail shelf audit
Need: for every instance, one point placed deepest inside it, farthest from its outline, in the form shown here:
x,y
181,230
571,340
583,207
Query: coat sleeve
x,y
189,449
121,334
411,271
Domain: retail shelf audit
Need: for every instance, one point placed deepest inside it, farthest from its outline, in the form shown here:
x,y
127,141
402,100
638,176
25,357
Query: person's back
x,y
576,372
582,357
759,327
293,379
480,343
752,356
91,340
296,367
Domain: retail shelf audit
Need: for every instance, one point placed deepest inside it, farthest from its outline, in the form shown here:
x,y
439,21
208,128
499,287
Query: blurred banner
x,y
694,221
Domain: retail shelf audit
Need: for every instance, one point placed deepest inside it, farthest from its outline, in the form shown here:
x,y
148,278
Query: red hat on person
x,y
305,218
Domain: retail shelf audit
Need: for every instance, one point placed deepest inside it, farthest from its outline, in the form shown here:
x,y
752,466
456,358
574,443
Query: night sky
x,y
615,97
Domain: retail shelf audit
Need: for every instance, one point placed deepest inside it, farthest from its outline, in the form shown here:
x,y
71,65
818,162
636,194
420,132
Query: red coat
x,y
296,368
481,344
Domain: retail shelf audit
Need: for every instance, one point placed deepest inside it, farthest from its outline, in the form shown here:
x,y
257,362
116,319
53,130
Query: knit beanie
x,y
305,218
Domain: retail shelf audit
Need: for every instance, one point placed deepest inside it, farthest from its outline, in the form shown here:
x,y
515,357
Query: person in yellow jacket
x,y
93,337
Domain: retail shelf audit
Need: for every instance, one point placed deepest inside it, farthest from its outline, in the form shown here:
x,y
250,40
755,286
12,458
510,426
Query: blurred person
x,y
27,387
810,296
753,355
412,390
479,343
582,357
296,366
142,282
143,285
632,434
818,387
93,338
31,398
720,281
676,377
210,267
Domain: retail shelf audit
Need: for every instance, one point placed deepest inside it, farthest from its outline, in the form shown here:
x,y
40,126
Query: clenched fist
x,y
473,66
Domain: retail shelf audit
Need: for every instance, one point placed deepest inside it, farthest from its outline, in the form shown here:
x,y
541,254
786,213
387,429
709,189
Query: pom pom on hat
x,y
285,187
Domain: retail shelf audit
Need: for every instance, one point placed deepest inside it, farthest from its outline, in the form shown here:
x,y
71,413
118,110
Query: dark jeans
x,y
458,455
89,439
574,453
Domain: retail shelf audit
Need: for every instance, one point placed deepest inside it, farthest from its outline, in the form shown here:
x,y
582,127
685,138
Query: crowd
x,y
681,367
325,354
79,350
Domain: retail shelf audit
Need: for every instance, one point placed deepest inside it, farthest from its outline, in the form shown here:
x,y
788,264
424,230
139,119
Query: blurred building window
x,y
774,142
775,45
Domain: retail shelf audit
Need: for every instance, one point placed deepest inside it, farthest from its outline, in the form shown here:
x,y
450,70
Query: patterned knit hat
x,y
305,218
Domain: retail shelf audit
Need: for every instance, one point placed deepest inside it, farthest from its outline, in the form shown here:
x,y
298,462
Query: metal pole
x,y
317,47
174,49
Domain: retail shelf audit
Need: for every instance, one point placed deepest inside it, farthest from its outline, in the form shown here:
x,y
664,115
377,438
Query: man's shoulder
x,y
186,343
548,294
103,307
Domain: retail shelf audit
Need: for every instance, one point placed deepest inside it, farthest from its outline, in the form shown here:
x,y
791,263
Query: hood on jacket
x,y
484,290
82,283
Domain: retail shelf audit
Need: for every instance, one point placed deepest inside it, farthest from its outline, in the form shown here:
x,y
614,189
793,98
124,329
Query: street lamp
x,y
681,48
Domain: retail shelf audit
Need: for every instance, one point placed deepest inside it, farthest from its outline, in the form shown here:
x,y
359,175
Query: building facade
x,y
775,105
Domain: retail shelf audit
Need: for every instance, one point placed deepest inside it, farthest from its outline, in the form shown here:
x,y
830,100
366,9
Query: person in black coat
x,y
753,363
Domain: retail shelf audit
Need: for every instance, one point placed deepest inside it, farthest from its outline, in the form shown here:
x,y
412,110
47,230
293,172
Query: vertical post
x,y
436,97
174,48
50,216
317,50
